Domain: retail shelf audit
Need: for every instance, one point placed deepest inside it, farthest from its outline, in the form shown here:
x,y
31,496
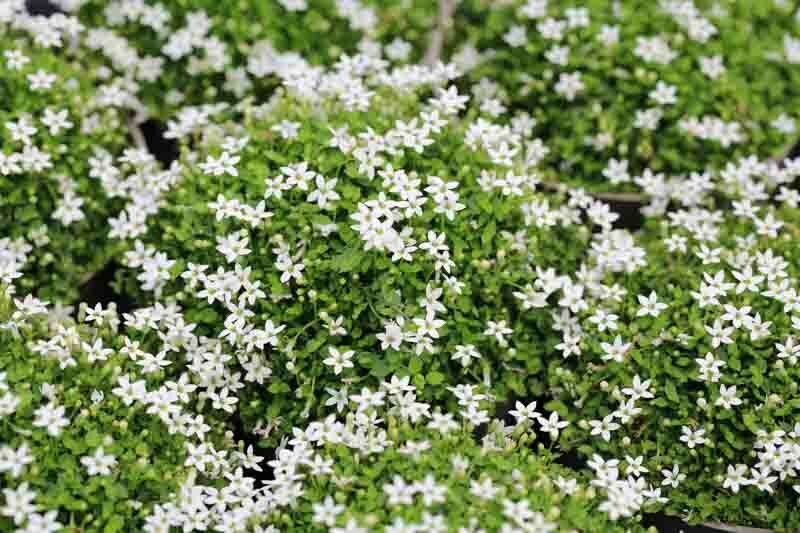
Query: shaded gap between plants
x,y
164,150
630,215
250,439
670,524
41,7
794,151
98,290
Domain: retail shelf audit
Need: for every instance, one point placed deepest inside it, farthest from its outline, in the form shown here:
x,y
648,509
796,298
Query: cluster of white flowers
x,y
714,129
658,348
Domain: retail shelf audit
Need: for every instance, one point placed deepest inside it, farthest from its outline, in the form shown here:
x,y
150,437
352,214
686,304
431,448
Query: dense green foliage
x,y
386,225
381,298
87,429
698,367
57,115
590,74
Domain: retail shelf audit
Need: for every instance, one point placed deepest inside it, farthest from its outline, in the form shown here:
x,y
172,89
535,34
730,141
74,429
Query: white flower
x,y
339,360
692,437
789,350
737,316
289,269
325,192
393,335
569,85
287,129
552,425
673,477
14,461
604,320
524,412
484,490
736,478
785,124
639,389
650,306
516,36
712,66
498,330
41,80
648,119
709,367
635,466
8,404
96,352
616,351
464,354
326,512
99,463
428,326
664,94
727,397
225,164
762,479
19,504
15,59
52,418
339,398
604,427
609,35
398,492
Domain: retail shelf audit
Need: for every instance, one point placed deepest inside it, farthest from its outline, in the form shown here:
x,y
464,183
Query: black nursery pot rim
x,y
736,529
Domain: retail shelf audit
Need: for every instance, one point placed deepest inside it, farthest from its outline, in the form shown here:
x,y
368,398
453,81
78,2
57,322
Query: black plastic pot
x,y
41,7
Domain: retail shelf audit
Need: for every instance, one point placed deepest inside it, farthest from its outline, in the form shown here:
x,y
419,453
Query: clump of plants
x,y
625,94
63,161
685,370
390,462
182,53
377,295
101,418
329,245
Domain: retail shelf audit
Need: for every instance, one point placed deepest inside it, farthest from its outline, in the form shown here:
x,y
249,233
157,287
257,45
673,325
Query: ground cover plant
x,y
623,91
64,123
382,278
95,428
388,467
184,53
686,368
372,239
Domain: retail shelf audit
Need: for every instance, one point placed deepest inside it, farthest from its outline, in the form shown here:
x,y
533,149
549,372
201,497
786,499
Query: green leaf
x,y
750,422
380,368
351,192
435,378
557,406
315,343
278,388
488,233
348,260
732,440
758,377
484,202
672,392
115,524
